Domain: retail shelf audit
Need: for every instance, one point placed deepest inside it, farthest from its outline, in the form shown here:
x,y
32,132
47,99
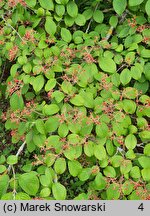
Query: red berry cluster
x,y
13,53
13,3
14,86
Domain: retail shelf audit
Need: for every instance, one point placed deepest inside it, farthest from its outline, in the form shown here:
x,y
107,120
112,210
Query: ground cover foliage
x,y
74,97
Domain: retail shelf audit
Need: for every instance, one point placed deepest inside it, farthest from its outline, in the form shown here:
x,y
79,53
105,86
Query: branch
x,y
11,27
142,143
18,153
123,17
91,20
110,31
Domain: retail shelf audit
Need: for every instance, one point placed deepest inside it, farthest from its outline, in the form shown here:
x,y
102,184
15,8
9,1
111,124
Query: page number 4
x,y
141,207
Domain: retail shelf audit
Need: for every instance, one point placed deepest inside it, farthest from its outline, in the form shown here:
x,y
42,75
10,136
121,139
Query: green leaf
x,y
146,71
129,106
47,4
88,13
66,35
51,124
50,84
127,187
115,78
50,109
31,3
130,93
49,159
66,87
144,161
27,68
39,139
135,172
109,171
98,16
116,160
119,6
59,191
133,3
69,21
125,76
14,69
38,83
64,2
100,182
99,152
130,141
16,102
146,174
74,168
144,135
89,102
40,126
60,165
136,72
2,168
81,196
73,152
50,26
22,60
89,148
107,64
84,175
12,159
22,196
113,191
29,182
45,192
4,182
145,53
59,96
2,159
45,180
129,58
102,130
147,149
60,10
77,100
63,130
113,21
126,166
29,140
72,9
110,147
80,20
147,7
7,196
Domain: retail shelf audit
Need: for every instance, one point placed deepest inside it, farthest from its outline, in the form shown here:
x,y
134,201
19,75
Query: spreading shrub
x,y
75,105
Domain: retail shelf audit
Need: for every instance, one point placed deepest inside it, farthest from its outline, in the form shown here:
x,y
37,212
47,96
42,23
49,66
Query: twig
x,y
120,150
110,31
107,10
38,112
123,17
141,144
12,27
91,20
122,66
18,153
